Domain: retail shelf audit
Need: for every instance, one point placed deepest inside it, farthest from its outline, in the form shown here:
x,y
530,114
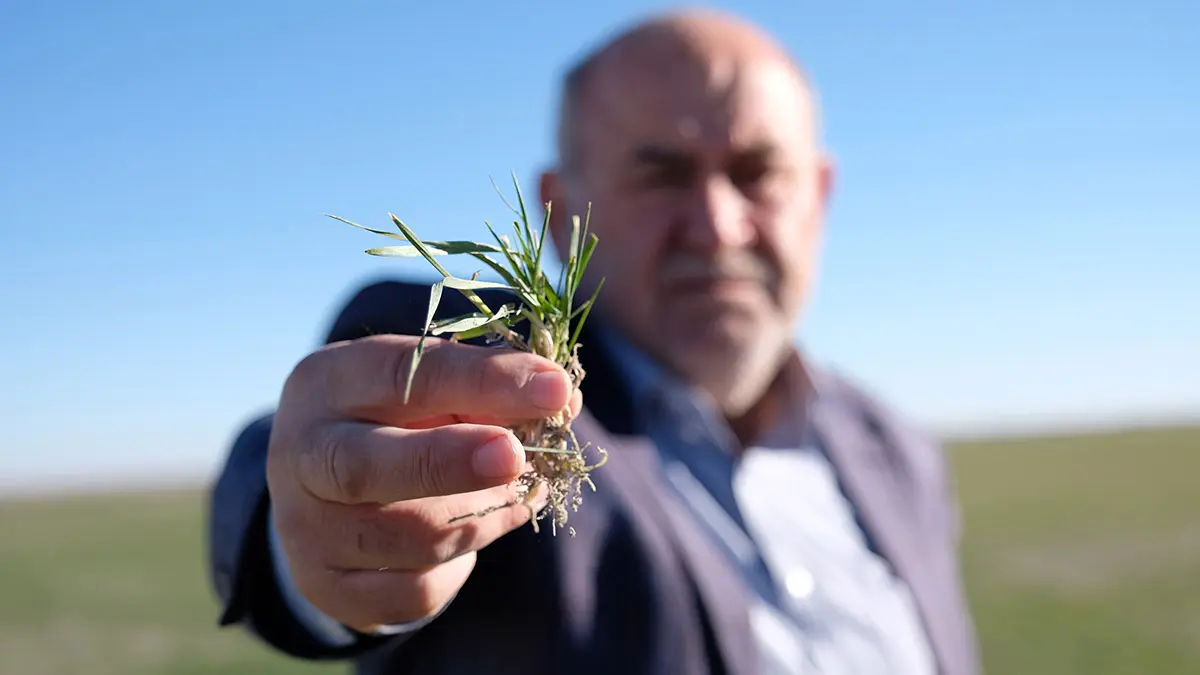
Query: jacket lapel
x,y
719,584
681,555
872,475
633,479
626,491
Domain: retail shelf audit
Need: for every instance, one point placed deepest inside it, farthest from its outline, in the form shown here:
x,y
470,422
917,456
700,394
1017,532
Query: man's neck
x,y
784,401
786,393
767,412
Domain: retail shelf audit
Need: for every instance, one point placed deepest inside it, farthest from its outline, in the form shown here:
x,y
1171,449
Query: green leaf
x,y
473,325
517,268
524,213
420,246
498,269
574,245
401,251
471,321
473,284
393,235
502,197
584,258
416,241
435,299
433,247
459,247
587,309
581,250
537,262
572,264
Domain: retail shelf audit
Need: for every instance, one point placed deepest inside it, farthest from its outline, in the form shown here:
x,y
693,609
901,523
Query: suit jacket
x,y
639,589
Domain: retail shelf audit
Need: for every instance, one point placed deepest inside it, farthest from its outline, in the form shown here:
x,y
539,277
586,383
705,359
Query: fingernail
x,y
547,389
498,458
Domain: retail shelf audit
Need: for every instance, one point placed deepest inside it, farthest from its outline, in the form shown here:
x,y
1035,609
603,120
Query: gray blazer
x,y
640,589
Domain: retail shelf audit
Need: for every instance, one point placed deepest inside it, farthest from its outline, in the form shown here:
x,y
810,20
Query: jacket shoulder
x,y
917,457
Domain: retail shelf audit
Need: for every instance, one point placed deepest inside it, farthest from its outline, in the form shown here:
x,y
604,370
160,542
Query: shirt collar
x,y
651,386
643,376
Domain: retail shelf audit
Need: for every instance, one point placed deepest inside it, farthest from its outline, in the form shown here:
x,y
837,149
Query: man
x,y
756,514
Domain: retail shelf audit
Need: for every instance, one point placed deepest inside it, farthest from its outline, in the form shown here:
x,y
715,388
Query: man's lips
x,y
714,284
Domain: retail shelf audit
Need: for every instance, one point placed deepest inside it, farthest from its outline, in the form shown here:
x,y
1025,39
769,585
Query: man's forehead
x,y
711,104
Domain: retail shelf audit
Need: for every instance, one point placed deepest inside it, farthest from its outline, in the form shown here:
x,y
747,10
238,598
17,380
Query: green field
x,y
1082,556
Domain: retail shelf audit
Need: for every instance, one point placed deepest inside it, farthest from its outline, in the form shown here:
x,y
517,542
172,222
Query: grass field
x,y
1082,555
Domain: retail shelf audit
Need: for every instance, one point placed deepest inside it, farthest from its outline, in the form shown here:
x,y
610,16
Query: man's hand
x,y
364,486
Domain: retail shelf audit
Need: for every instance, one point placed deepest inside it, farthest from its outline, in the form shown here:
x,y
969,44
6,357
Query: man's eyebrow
x,y
657,155
761,150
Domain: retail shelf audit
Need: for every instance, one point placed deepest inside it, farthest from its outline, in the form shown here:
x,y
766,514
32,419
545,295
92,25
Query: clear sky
x,y
1012,239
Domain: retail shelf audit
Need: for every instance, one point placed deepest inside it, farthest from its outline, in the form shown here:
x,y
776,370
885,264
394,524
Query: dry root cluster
x,y
558,465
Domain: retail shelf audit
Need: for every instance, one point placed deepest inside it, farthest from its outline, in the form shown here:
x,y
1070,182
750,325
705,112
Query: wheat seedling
x,y
557,459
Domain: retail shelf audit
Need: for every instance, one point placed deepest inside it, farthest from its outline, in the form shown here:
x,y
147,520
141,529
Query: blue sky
x,y
1016,215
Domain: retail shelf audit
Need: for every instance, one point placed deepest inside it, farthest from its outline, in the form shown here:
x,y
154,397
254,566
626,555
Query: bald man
x,y
757,514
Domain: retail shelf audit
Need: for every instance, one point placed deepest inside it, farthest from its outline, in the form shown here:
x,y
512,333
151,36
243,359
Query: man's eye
x,y
670,176
748,175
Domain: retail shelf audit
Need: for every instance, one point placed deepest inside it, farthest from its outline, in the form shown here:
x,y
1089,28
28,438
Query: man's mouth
x,y
718,288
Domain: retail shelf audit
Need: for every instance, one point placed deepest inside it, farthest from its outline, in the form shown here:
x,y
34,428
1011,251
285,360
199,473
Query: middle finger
x,y
421,533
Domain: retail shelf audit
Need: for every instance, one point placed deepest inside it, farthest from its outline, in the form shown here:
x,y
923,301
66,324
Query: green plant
x,y
556,456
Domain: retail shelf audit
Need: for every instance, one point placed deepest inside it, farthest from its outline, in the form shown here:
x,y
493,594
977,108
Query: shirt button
x,y
799,583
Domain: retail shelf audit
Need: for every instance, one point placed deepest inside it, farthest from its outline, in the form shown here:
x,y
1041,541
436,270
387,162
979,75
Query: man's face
x,y
707,192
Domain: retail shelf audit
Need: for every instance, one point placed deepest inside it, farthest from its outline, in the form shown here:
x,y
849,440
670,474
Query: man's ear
x,y
828,174
552,192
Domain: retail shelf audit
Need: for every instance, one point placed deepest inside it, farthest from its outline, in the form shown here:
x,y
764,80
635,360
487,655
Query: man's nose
x,y
717,216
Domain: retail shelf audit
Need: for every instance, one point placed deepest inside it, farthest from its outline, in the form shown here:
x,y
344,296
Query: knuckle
x,y
429,539
411,534
427,594
391,535
310,369
436,371
448,545
341,467
428,471
485,376
397,361
291,522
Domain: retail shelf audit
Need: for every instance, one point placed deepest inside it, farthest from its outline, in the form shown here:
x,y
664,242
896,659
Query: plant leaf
x,y
517,270
587,308
473,325
471,321
416,241
393,235
524,215
501,193
402,251
433,247
473,284
537,262
498,269
572,265
420,246
435,299
459,247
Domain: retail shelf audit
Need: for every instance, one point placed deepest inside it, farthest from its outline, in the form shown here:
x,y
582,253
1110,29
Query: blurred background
x,y
1009,261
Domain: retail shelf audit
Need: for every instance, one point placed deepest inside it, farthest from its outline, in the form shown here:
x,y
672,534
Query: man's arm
x,y
248,567
245,570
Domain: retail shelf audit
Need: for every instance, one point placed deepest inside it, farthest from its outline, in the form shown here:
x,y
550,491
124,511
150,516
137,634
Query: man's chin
x,y
725,339
717,322
734,368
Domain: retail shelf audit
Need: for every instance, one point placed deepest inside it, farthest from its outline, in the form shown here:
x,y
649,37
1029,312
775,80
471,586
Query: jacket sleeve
x,y
242,567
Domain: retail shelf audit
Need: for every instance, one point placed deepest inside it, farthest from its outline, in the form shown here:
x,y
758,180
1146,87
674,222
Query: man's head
x,y
695,137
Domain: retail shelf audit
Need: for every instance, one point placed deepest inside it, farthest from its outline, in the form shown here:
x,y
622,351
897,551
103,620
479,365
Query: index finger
x,y
366,379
